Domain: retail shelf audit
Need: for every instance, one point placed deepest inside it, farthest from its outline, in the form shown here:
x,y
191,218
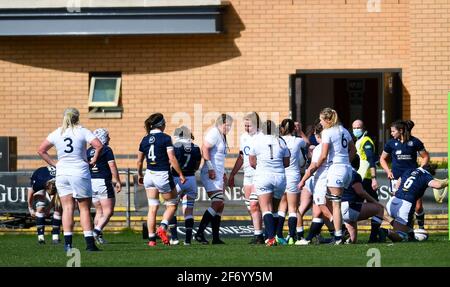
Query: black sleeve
x,y
372,158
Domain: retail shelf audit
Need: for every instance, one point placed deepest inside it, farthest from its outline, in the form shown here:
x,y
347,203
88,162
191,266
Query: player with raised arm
x,y
295,145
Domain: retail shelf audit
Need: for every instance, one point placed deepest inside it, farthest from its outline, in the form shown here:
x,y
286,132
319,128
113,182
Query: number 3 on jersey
x,y
151,153
69,146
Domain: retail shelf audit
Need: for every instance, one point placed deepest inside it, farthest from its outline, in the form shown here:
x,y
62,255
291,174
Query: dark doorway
x,y
371,95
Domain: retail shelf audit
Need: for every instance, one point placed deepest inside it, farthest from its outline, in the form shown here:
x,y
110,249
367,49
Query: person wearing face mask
x,y
365,148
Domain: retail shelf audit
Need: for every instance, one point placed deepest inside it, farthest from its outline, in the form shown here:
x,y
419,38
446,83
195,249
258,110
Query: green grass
x,y
128,249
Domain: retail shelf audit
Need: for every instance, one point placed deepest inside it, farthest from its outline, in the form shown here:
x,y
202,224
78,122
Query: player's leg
x,y
153,205
292,200
255,212
279,218
107,209
420,213
305,205
41,204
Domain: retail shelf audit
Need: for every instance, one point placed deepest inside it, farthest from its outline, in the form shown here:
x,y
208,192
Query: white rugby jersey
x,y
315,158
245,144
295,144
71,151
218,151
269,151
338,138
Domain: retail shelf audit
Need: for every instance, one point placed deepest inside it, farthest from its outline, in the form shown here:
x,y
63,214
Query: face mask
x,y
358,133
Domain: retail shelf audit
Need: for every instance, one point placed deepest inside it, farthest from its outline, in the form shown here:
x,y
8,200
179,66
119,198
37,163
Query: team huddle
x,y
285,171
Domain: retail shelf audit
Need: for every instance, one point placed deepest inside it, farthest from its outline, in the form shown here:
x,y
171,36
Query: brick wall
x,y
245,69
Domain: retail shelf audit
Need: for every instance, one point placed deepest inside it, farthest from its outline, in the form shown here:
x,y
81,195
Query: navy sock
x,y
314,230
90,242
206,219
189,224
173,227
292,224
421,219
215,224
40,225
280,225
300,234
68,240
56,224
374,227
269,224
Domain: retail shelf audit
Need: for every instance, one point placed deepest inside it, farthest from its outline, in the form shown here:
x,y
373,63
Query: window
x,y
104,91
104,95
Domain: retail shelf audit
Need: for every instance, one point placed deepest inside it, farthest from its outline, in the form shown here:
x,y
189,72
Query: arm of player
x,y
425,157
237,166
358,188
139,163
438,184
30,201
252,160
206,147
383,162
176,166
43,152
97,145
115,175
308,173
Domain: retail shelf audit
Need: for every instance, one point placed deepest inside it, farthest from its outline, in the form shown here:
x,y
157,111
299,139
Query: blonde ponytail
x,y
71,118
330,115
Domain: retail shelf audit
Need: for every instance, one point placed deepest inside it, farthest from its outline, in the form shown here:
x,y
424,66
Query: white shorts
x,y
275,183
350,211
161,180
189,187
248,179
339,175
318,189
212,184
292,181
78,187
101,189
401,210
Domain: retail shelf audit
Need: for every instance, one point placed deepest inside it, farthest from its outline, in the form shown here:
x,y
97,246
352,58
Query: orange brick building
x,y
380,60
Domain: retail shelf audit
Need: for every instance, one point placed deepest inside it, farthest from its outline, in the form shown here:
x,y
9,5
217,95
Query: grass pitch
x,y
129,249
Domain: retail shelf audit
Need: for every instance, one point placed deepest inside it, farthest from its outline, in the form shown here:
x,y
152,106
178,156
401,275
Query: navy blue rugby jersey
x,y
350,194
154,146
40,177
413,185
101,168
188,155
403,155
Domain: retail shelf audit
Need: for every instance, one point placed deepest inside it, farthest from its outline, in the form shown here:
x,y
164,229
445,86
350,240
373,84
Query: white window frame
x,y
114,103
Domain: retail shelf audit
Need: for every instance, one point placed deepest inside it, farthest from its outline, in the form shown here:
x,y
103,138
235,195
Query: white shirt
x,y
338,138
297,160
244,146
218,151
269,151
71,151
321,171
